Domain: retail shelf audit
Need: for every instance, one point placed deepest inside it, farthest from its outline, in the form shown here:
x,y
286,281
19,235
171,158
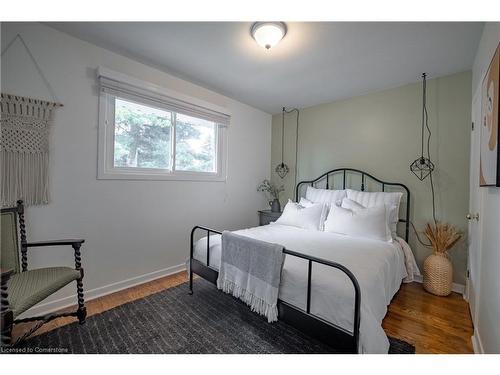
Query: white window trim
x,y
106,169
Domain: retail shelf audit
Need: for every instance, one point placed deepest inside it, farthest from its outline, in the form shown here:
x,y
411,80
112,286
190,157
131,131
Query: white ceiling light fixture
x,y
268,34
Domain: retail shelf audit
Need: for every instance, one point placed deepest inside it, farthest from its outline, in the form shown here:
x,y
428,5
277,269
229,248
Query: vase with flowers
x,y
438,270
273,192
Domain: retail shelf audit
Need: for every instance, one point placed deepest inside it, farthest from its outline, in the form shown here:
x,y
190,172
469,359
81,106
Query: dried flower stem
x,y
442,236
273,190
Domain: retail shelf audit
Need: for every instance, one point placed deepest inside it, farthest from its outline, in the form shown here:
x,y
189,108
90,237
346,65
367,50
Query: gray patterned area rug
x,y
172,321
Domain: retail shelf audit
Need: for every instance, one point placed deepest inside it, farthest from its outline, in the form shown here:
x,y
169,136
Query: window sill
x,y
148,176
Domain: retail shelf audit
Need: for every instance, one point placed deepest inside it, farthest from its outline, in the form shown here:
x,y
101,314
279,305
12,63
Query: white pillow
x,y
372,199
349,204
389,211
303,217
306,203
367,223
326,196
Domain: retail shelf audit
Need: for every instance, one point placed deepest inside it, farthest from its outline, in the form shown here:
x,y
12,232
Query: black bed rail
x,y
290,312
326,175
191,249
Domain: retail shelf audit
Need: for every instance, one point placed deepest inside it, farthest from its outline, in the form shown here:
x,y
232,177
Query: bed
x,y
333,287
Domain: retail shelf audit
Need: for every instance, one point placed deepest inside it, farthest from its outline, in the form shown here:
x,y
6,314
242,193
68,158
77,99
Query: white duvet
x,y
378,266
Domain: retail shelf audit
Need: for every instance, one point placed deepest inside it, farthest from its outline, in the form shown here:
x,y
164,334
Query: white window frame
x,y
106,168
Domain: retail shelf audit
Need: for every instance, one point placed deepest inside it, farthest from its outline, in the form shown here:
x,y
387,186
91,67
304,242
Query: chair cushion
x,y
28,288
9,250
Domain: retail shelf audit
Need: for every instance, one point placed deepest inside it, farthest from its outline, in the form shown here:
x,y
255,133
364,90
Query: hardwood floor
x,y
109,301
433,324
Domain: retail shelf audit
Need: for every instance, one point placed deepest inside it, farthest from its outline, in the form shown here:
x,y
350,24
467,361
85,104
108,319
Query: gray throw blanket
x,y
251,271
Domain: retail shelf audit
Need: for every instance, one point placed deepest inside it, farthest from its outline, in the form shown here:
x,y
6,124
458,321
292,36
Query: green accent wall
x,y
380,134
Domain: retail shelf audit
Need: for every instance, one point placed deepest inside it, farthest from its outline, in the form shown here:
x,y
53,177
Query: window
x,y
195,146
143,136
153,136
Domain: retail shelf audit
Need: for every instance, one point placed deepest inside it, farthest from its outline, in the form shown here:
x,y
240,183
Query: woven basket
x,y
438,274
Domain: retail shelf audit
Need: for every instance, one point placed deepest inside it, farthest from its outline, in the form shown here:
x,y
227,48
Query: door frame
x,y
475,114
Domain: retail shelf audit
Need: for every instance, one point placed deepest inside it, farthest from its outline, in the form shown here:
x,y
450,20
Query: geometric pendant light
x,y
282,169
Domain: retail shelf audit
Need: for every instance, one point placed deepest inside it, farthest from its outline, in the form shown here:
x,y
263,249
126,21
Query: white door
x,y
474,230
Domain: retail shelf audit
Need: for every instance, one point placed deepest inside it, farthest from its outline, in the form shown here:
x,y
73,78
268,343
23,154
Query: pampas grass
x,y
442,236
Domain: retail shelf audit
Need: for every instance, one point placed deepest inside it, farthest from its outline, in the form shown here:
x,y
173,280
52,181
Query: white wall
x,y
132,228
487,329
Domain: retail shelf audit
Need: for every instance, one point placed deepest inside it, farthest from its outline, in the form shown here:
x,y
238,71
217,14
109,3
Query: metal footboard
x,y
337,337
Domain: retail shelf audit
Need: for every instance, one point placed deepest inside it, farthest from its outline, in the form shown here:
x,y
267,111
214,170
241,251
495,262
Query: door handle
x,y
472,216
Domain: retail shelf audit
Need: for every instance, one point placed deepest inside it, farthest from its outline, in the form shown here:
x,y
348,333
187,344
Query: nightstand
x,y
266,216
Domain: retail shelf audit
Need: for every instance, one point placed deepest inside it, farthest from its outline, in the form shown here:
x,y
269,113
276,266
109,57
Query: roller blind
x,y
112,84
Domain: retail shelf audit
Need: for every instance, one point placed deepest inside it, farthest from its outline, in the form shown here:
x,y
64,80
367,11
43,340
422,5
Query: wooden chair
x,y
22,288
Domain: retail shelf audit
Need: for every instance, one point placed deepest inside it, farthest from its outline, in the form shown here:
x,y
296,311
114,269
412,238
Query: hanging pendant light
x,y
282,169
423,167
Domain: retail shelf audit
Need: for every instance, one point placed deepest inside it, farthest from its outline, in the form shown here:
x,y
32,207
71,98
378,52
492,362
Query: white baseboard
x,y
477,345
49,307
455,287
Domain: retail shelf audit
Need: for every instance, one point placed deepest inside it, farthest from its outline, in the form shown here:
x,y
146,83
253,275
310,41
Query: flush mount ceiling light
x,y
268,34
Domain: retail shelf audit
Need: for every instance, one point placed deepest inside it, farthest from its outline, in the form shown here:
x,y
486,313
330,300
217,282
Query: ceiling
x,y
316,62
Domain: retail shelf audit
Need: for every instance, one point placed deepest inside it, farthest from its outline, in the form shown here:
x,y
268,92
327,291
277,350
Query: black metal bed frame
x,y
337,337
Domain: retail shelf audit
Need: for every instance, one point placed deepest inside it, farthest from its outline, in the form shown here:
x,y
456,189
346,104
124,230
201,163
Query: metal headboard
x,y
326,177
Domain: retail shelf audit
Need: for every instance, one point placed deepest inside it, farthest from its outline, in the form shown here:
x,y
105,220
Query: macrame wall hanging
x,y
24,147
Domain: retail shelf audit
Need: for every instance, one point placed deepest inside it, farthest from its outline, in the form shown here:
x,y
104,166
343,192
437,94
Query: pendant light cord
x,y
430,174
282,134
425,120
424,112
296,143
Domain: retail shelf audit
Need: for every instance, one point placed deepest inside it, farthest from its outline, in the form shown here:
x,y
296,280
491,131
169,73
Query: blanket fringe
x,y
256,304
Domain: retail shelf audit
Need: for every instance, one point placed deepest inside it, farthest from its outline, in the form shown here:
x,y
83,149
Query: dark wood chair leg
x,y
81,313
7,321
6,315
